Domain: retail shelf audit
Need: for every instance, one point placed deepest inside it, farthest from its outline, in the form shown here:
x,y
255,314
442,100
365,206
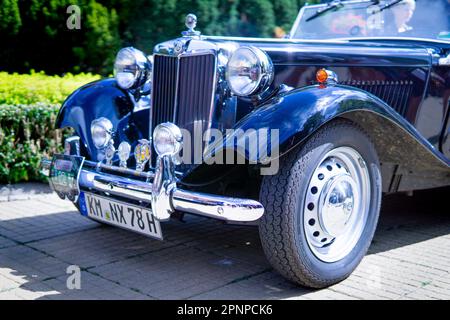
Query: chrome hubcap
x,y
337,203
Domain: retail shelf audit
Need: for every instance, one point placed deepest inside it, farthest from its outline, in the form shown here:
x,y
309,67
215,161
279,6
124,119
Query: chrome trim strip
x,y
223,208
150,125
213,95
131,172
110,184
317,41
177,80
269,40
350,39
296,22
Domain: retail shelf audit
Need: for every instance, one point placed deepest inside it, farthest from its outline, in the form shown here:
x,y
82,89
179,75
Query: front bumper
x,y
161,192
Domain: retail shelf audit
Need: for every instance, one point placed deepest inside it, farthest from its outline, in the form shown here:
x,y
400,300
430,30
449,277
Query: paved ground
x,y
40,236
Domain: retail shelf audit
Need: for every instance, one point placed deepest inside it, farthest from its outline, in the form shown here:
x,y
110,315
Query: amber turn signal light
x,y
322,76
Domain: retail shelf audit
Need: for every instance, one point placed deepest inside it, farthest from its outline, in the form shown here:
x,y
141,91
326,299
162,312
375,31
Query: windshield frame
x,y
340,38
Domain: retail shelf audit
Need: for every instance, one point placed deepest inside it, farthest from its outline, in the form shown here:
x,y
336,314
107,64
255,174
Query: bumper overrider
x,y
159,191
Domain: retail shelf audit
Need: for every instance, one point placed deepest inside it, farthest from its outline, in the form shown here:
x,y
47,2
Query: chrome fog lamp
x,y
167,139
249,71
123,151
131,68
101,132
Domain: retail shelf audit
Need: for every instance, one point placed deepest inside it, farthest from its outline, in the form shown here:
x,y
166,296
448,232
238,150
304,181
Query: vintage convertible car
x,y
300,136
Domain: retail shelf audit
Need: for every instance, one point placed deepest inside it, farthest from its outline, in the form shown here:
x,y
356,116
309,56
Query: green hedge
x,y
29,104
27,133
35,87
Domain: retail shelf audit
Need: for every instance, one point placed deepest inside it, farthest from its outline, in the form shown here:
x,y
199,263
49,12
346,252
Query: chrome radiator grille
x,y
164,88
183,89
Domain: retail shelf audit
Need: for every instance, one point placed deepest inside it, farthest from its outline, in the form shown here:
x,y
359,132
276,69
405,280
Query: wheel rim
x,y
337,204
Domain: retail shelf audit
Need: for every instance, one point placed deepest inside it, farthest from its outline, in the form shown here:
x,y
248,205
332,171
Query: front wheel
x,y
322,206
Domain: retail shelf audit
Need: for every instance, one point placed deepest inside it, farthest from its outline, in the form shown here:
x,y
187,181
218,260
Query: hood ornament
x,y
191,23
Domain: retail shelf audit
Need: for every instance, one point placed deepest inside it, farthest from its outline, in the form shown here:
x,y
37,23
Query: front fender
x,y
300,112
101,98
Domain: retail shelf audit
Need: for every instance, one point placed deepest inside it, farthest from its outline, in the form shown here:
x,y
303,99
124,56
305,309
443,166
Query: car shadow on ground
x,y
199,258
426,214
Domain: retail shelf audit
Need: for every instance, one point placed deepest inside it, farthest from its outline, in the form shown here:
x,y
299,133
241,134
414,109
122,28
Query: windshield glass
x,y
393,18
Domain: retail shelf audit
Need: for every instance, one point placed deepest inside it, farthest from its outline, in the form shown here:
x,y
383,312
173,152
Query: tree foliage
x,y
35,35
10,21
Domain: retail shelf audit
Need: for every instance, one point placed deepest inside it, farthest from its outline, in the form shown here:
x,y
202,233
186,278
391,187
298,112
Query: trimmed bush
x,y
27,133
33,88
29,105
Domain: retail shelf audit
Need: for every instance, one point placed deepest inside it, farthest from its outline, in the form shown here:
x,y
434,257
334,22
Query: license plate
x,y
64,173
134,218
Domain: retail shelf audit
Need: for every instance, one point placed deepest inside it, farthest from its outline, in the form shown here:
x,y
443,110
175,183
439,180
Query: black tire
x,y
283,195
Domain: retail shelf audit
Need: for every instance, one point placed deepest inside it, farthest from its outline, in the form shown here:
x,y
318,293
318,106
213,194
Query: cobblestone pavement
x,y
40,236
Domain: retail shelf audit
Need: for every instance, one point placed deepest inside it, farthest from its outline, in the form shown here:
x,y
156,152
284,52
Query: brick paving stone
x,y
31,220
21,265
184,268
5,242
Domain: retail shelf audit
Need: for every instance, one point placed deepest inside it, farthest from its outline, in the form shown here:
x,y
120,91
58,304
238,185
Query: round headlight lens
x,y
125,80
101,132
167,139
249,71
131,68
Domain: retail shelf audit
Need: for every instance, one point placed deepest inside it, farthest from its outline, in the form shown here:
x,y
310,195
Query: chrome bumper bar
x,y
163,194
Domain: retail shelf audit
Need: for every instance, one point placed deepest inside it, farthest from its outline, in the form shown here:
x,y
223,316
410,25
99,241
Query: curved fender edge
x,y
292,117
97,99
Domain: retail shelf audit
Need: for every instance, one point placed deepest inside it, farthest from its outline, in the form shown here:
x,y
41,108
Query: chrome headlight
x,y
167,139
249,71
131,68
101,132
